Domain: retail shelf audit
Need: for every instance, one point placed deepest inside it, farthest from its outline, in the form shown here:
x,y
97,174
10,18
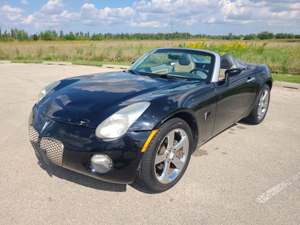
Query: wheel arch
x,y
269,83
190,119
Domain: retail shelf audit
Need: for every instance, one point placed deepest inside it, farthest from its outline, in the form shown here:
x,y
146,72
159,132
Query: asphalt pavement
x,y
245,175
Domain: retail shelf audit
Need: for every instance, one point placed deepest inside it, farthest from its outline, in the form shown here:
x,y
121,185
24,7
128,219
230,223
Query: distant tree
x,y
61,35
265,35
70,36
21,35
48,35
250,36
284,36
35,37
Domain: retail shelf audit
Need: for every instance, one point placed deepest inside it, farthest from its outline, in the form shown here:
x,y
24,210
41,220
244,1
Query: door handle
x,y
250,79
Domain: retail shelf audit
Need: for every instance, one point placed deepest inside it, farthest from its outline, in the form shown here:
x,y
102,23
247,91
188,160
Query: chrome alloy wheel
x,y
171,156
263,104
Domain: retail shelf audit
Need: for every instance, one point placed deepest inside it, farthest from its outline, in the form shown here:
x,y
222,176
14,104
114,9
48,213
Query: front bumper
x,y
72,146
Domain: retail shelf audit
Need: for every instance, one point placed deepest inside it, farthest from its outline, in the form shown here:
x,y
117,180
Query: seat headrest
x,y
184,60
227,62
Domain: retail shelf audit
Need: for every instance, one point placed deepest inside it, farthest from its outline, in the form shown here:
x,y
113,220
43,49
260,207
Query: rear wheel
x,y
261,108
167,157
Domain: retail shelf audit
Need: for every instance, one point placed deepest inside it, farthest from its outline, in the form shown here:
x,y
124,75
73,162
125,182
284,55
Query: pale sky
x,y
128,16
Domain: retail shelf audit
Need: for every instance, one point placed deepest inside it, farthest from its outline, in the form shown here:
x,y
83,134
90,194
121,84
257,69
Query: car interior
x,y
227,63
189,65
185,65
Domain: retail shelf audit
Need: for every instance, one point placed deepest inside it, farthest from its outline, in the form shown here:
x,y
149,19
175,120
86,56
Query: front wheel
x,y
260,110
167,157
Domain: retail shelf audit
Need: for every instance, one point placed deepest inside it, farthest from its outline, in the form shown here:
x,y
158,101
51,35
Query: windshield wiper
x,y
165,76
132,71
154,74
180,77
146,73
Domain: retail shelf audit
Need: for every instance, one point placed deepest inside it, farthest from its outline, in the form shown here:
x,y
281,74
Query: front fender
x,y
159,110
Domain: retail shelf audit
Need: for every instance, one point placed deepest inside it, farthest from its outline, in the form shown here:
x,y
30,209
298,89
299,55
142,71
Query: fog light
x,y
101,163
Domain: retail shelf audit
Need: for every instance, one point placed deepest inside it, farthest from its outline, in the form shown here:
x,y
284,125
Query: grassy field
x,y
283,57
287,78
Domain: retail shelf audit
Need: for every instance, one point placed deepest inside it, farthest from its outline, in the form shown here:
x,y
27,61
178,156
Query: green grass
x,y
76,62
292,78
26,61
287,78
89,63
281,56
97,63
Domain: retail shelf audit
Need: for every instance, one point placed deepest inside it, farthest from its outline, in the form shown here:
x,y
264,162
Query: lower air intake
x,y
54,150
33,135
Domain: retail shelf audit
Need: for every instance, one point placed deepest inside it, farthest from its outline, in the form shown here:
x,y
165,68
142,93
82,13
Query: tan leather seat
x,y
227,62
184,64
222,74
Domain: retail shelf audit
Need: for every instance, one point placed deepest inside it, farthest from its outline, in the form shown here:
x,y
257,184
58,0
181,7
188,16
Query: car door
x,y
235,98
201,99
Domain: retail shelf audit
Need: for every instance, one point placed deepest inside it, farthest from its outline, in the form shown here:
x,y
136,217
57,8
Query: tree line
x,y
51,35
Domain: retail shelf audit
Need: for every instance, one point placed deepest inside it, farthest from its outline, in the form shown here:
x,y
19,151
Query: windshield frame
x,y
177,50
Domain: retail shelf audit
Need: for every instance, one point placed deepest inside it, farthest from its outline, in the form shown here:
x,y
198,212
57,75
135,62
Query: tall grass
x,y
281,56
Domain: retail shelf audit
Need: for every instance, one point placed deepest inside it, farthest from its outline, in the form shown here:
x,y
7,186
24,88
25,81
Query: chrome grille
x,y
33,135
54,149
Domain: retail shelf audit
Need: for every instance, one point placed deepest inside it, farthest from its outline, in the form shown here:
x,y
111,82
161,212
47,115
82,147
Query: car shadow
x,y
80,179
240,125
60,172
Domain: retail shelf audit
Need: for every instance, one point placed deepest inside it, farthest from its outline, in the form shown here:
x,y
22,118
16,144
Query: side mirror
x,y
233,72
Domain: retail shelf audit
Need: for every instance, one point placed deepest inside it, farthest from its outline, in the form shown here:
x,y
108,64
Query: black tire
x,y
146,178
254,117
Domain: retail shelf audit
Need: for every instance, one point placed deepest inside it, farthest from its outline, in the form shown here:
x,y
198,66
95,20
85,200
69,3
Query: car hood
x,y
88,100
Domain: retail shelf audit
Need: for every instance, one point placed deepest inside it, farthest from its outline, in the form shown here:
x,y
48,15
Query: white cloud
x,y
156,14
52,7
10,13
254,11
152,24
91,15
176,13
52,15
28,20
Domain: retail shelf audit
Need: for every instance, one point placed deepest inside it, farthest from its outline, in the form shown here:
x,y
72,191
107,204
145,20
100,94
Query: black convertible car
x,y
143,124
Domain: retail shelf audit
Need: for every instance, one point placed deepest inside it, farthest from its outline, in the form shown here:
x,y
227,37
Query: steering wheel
x,y
203,76
199,69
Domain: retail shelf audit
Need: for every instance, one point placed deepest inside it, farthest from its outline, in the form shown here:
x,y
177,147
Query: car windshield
x,y
180,63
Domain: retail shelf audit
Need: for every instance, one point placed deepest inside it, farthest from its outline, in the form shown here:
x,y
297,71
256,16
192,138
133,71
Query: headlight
x,y
117,124
47,89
